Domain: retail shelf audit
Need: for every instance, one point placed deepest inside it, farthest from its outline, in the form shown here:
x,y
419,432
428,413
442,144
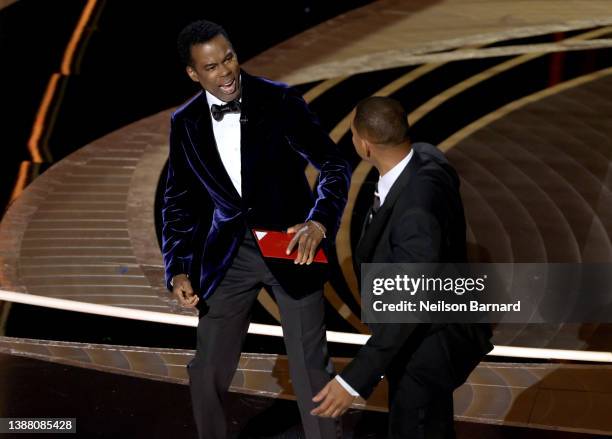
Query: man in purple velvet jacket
x,y
242,144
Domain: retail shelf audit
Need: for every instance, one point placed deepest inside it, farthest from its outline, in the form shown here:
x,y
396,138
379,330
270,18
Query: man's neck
x,y
391,159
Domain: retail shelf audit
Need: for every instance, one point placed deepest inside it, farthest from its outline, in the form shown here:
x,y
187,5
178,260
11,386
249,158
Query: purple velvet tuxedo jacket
x,y
279,134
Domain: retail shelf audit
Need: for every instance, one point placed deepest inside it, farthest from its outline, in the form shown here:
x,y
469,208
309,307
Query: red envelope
x,y
273,244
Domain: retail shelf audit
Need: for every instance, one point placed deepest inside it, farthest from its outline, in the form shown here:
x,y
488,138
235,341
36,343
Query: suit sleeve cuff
x,y
346,386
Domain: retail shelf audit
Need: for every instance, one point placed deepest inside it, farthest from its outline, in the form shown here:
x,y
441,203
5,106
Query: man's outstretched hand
x,y
307,237
334,400
182,290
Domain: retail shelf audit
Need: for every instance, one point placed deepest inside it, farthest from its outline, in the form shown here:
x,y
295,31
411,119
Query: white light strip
x,y
103,310
551,354
276,331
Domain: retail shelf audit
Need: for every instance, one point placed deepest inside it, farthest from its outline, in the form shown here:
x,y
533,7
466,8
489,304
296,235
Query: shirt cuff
x,y
346,386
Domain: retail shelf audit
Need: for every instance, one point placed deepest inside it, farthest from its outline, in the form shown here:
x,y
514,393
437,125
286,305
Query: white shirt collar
x,y
386,181
213,100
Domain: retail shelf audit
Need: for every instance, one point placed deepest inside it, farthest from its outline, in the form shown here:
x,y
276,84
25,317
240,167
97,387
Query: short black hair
x,y
194,33
381,120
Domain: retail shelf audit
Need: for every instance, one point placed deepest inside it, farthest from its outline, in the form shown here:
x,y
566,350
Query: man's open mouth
x,y
228,87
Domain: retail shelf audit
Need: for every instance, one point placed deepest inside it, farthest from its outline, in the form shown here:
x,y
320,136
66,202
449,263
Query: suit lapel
x,y
371,234
252,114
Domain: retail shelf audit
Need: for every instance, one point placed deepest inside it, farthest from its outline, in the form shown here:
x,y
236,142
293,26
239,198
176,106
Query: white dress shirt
x,y
385,182
227,136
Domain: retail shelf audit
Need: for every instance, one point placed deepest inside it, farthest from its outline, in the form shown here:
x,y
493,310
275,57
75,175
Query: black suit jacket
x,y
279,135
421,220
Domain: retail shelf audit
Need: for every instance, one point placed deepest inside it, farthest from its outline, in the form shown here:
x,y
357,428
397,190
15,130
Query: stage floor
x,y
108,405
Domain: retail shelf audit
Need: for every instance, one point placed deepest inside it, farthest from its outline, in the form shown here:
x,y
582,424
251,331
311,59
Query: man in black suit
x,y
417,216
241,144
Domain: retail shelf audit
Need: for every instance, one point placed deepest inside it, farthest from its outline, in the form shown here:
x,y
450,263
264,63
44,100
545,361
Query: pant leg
x,y
421,392
309,363
431,421
222,327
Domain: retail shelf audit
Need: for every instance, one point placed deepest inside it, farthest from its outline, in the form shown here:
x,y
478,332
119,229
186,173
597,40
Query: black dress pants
x,y
221,331
421,393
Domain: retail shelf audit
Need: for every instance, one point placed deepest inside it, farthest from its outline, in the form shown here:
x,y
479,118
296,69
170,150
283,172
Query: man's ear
x,y
192,74
367,146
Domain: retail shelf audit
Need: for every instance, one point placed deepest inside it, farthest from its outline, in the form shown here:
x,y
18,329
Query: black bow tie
x,y
218,111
